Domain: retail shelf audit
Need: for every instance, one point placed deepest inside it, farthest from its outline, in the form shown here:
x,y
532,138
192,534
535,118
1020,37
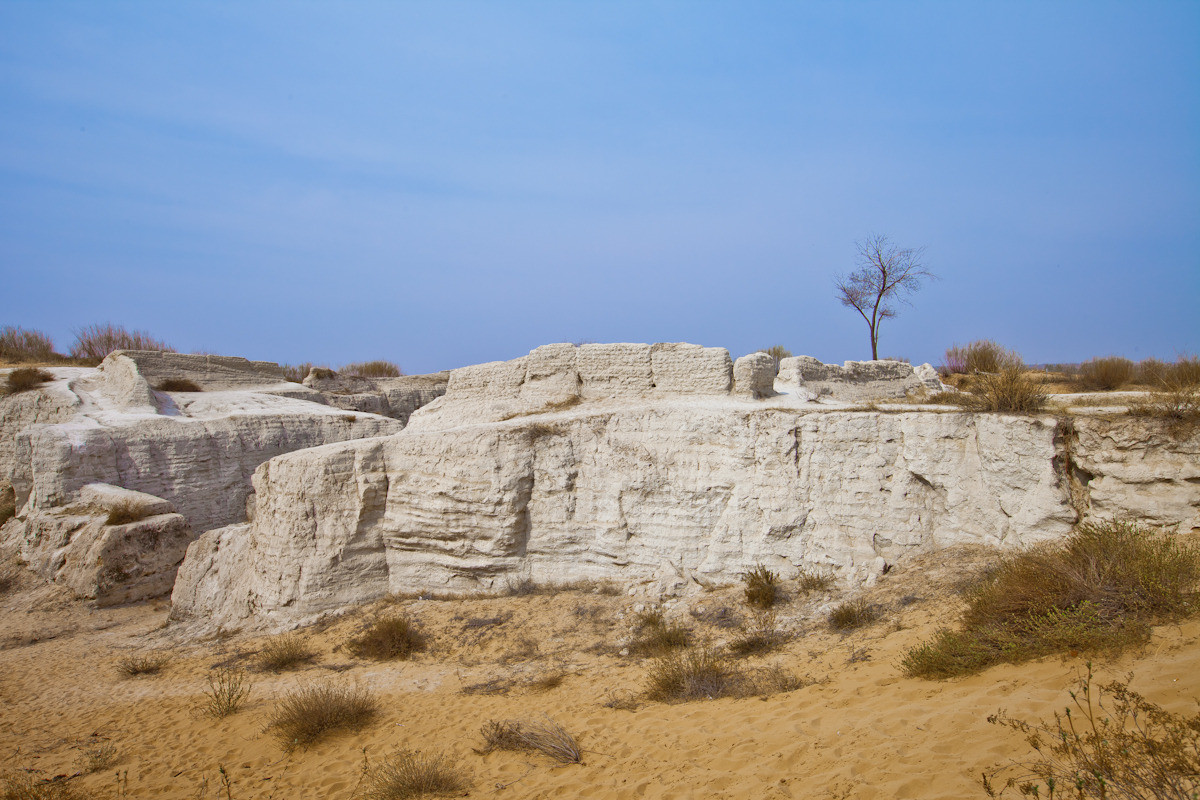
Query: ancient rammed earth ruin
x,y
262,503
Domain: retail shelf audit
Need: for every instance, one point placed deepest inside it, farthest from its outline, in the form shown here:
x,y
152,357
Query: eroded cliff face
x,y
666,492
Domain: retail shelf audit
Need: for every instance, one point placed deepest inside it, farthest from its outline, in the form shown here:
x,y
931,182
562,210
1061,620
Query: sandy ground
x,y
856,729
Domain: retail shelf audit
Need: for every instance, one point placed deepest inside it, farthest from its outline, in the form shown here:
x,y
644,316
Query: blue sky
x,y
445,183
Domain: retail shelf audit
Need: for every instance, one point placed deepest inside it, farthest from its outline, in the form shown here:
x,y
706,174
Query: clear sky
x,y
443,183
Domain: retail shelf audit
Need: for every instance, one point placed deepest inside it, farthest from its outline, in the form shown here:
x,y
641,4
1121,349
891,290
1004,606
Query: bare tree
x,y
885,273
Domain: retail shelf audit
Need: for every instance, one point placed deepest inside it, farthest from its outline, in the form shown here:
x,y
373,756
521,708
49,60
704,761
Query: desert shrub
x,y
18,345
94,342
123,512
97,757
227,690
322,373
24,379
309,713
1152,371
813,580
1105,374
981,356
142,664
388,638
408,774
1184,372
693,674
777,352
1011,390
179,385
852,614
1098,591
296,373
23,786
545,736
372,369
1178,407
653,635
285,652
1109,743
761,636
761,587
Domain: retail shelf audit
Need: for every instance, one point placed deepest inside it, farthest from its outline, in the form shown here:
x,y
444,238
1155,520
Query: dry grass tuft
x,y
24,379
813,580
97,757
296,373
179,385
653,635
981,356
387,639
309,713
694,674
227,690
23,786
852,614
285,652
1098,591
1113,744
546,736
137,665
8,502
1012,390
372,369
123,512
1105,374
18,345
95,342
409,773
761,636
761,587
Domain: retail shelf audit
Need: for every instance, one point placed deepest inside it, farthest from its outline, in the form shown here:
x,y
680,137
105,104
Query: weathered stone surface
x,y
106,497
682,368
211,373
754,376
615,370
854,381
633,494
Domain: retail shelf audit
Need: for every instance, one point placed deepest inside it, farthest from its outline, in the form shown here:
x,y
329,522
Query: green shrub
x,y
409,774
1098,591
852,614
94,342
372,369
1109,743
18,345
388,638
309,713
1105,374
24,379
761,587
179,385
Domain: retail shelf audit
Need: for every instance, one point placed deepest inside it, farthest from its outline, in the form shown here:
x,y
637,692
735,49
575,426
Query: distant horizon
x,y
444,184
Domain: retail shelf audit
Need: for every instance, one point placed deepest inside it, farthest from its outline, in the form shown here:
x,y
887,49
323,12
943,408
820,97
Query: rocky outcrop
x,y
114,546
397,398
854,381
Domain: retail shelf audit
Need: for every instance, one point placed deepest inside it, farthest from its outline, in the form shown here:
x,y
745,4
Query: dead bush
x,y
1109,743
23,786
97,757
94,342
142,664
545,736
761,587
813,580
980,356
179,385
309,713
296,373
1012,390
852,614
761,636
18,345
1105,374
372,369
285,652
24,379
227,690
409,774
8,502
653,635
693,674
388,638
124,512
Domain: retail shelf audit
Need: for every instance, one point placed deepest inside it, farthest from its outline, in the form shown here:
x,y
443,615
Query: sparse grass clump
x,y
545,736
390,638
1099,591
18,345
296,373
285,652
1113,743
761,587
693,674
852,614
227,690
409,774
372,369
1105,374
981,356
761,636
23,786
813,580
94,342
653,635
97,757
179,385
123,512
142,664
307,714
24,379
